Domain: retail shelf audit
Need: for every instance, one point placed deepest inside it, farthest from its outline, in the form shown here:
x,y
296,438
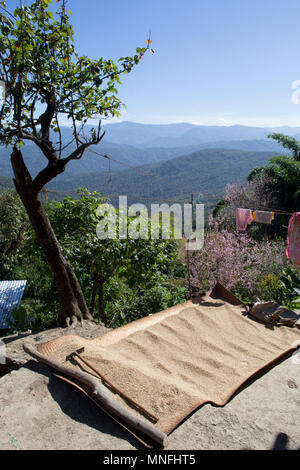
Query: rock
x,y
15,356
292,383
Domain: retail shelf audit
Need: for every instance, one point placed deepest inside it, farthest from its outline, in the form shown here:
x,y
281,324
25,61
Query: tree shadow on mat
x,y
79,407
206,303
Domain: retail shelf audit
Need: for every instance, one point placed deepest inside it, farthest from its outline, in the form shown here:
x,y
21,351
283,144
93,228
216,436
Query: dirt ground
x,y
38,411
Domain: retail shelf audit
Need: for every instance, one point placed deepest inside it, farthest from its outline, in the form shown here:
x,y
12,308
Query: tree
x,y
256,195
288,142
46,80
236,260
275,186
285,172
13,230
96,261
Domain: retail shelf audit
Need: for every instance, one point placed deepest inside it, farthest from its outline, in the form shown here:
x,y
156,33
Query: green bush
x,y
271,289
33,315
290,283
125,304
284,289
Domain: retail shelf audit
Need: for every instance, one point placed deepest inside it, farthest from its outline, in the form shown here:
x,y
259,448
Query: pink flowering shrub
x,y
236,261
257,193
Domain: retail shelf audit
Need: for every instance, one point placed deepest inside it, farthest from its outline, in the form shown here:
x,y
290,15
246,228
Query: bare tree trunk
x,y
71,299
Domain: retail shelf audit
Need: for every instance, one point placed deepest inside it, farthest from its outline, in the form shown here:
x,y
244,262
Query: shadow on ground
x,y
281,442
79,407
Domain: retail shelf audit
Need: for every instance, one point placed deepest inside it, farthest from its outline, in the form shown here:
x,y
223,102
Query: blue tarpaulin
x,y
11,293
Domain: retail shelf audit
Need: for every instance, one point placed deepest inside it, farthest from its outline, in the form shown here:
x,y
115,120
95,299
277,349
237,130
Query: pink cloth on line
x,y
293,240
243,218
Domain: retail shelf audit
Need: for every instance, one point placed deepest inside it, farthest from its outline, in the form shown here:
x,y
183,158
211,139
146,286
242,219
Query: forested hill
x,y
124,156
205,171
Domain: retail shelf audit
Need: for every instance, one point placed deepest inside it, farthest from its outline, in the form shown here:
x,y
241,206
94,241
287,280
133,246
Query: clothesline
x,y
277,211
244,217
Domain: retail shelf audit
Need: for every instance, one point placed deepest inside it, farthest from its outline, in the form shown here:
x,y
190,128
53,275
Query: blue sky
x,y
215,62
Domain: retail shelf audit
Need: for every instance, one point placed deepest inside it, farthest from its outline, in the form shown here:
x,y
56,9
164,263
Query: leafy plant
x,y
236,261
290,282
271,288
32,315
284,174
14,228
46,80
96,261
125,304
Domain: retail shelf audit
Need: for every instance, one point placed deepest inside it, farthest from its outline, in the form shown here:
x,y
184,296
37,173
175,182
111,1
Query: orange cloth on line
x,y
293,240
263,217
243,218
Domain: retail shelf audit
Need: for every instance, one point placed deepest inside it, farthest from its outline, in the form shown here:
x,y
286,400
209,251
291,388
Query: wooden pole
x,y
188,254
112,386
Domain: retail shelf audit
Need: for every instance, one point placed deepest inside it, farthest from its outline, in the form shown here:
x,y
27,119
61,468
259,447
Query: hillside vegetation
x,y
206,172
5,182
124,156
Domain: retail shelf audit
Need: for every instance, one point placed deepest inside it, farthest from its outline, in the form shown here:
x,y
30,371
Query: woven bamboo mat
x,y
164,366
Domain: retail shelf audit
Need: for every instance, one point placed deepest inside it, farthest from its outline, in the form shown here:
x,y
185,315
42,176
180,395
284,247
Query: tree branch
x,y
78,153
23,178
45,146
48,174
58,166
46,119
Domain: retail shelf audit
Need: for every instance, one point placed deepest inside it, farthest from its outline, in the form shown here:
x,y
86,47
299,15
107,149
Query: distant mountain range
x,y
124,155
205,171
183,134
159,161
5,182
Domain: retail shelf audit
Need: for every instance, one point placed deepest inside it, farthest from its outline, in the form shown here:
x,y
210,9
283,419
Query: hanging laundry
x,y
263,217
293,240
243,218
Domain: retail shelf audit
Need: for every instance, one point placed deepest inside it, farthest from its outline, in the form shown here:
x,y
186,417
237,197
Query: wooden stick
x,y
103,396
122,394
